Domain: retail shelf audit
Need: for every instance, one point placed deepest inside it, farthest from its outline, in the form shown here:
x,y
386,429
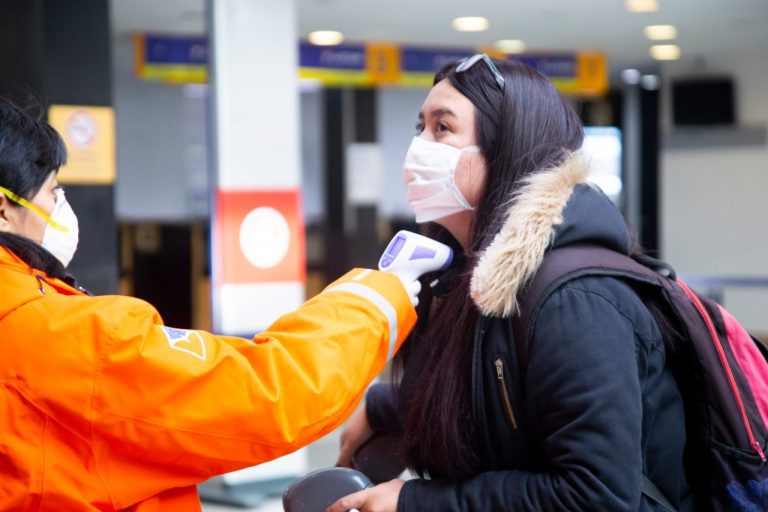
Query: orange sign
x,y
592,74
89,134
383,63
259,236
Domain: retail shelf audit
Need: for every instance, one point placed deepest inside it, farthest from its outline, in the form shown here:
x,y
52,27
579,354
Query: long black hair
x,y
30,150
527,127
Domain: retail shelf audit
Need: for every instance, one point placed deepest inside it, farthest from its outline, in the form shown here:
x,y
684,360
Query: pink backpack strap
x,y
750,360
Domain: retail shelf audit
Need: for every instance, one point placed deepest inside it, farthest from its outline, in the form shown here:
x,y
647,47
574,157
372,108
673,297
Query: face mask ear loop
x,y
33,207
469,149
454,187
459,196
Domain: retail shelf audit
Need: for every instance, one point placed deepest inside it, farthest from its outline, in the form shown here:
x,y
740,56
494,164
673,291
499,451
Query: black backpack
x,y
721,370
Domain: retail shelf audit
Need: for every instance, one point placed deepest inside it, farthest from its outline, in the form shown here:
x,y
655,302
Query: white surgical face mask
x,y
429,173
60,237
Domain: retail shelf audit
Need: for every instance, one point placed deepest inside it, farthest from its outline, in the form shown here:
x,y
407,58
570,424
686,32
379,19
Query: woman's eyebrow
x,y
438,112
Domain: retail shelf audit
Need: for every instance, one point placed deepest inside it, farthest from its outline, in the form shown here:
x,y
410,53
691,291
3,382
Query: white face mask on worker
x,y
429,173
62,235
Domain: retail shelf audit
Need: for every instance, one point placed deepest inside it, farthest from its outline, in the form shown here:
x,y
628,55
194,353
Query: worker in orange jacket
x,y
102,407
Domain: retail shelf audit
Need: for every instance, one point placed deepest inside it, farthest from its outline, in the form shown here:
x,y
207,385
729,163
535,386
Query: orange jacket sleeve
x,y
172,407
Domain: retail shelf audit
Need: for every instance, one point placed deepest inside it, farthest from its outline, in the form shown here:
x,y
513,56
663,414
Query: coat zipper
x,y
721,354
477,415
40,281
505,393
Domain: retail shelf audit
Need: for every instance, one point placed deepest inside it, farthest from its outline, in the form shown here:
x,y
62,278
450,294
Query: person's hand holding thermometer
x,y
410,255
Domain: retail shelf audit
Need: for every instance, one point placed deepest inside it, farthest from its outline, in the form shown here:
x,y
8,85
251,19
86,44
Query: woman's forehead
x,y
445,99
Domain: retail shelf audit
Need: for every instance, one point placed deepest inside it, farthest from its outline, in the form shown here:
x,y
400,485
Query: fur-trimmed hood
x,y
554,207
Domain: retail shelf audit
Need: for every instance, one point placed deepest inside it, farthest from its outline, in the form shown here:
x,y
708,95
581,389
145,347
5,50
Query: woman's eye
x,y
442,127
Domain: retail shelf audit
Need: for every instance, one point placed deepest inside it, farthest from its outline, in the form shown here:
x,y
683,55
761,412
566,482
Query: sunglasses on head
x,y
466,63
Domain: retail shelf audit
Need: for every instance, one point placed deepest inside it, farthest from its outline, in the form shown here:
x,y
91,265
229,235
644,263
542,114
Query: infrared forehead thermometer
x,y
409,255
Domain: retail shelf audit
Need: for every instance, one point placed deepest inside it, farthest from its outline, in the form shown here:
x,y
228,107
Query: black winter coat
x,y
596,408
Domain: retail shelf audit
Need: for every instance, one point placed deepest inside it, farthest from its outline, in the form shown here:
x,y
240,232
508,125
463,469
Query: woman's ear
x,y
6,224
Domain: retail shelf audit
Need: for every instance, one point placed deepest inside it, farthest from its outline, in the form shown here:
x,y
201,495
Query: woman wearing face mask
x,y
497,171
104,408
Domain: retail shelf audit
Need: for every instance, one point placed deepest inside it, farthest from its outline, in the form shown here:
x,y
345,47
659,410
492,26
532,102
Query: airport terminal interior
x,y
231,158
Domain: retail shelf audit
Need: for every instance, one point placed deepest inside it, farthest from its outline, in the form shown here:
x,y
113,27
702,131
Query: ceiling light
x,y
630,76
665,51
660,32
510,46
641,5
325,37
470,24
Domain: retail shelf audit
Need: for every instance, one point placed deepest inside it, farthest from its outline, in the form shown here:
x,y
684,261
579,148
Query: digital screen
x,y
602,144
396,245
704,101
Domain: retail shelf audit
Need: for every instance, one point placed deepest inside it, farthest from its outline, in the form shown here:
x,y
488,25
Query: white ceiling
x,y
705,27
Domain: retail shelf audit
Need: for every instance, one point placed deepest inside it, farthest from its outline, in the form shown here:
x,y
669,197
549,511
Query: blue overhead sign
x,y
176,50
551,65
334,65
351,57
178,59
425,60
183,59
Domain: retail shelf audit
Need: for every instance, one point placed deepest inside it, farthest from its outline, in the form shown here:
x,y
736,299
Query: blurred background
x,y
229,158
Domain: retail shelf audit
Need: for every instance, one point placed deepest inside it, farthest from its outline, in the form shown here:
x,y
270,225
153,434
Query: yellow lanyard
x,y
26,204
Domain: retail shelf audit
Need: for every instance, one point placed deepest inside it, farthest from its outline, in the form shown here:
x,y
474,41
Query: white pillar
x,y
258,267
258,262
